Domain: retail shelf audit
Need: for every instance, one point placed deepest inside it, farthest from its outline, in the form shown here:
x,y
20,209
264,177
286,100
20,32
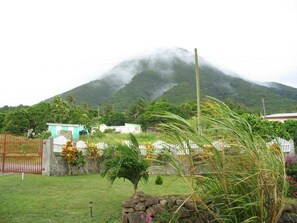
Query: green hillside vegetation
x,y
18,120
286,91
137,89
174,80
247,94
94,92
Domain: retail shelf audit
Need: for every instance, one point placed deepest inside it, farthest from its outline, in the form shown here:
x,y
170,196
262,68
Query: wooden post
x,y
264,110
199,127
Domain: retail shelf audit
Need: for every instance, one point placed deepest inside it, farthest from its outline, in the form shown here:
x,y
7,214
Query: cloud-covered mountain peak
x,y
159,60
170,73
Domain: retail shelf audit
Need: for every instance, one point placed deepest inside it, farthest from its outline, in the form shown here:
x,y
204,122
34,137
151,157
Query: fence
x,y
55,164
19,154
287,147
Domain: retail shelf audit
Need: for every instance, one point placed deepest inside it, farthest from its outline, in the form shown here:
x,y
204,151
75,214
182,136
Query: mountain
x,y
170,73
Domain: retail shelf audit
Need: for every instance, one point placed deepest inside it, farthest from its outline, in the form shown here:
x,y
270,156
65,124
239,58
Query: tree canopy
x,y
18,120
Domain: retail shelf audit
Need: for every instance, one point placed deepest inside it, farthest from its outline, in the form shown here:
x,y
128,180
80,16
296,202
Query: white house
x,y
127,128
282,117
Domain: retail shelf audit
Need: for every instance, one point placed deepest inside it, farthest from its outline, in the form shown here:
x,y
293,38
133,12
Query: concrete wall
x,y
54,164
60,167
46,156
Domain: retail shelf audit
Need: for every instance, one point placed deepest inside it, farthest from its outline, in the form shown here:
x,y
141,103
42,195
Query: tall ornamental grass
x,y
237,179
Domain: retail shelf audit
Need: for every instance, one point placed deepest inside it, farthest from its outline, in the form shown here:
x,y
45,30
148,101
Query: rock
x,y
288,207
140,207
124,217
136,217
130,203
190,205
138,195
151,201
163,202
294,206
159,208
183,212
179,202
128,210
288,218
151,211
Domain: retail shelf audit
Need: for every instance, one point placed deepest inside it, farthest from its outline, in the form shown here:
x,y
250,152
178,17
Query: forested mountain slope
x,y
170,73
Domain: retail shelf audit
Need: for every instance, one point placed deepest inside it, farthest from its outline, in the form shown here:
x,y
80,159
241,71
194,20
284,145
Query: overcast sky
x,y
49,47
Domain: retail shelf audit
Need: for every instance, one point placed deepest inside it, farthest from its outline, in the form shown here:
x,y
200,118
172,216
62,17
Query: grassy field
x,y
41,199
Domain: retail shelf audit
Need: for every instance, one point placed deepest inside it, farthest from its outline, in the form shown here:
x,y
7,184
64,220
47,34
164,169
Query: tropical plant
x,y
149,151
291,166
93,152
125,161
46,134
241,179
73,157
159,180
292,187
291,170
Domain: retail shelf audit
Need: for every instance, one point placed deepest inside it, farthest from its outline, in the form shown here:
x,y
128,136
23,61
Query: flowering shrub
x,y
93,151
292,190
291,171
72,155
149,151
147,218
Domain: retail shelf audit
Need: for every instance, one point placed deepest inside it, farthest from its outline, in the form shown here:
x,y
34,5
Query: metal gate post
x,y
3,155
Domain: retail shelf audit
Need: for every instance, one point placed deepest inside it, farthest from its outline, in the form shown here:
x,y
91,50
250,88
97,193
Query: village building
x,y
127,128
282,117
70,131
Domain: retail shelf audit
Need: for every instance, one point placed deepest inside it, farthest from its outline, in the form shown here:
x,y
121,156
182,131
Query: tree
x,y
70,99
159,106
136,109
144,113
126,162
291,127
266,129
114,118
188,109
39,115
2,117
239,109
60,110
17,122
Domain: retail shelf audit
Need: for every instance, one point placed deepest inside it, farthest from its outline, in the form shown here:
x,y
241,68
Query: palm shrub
x,y
159,180
125,161
241,179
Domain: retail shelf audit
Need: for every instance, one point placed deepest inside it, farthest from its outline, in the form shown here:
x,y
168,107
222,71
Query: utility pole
x,y
264,110
198,94
98,118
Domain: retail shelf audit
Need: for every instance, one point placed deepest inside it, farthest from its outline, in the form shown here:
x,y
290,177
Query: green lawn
x,y
66,199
